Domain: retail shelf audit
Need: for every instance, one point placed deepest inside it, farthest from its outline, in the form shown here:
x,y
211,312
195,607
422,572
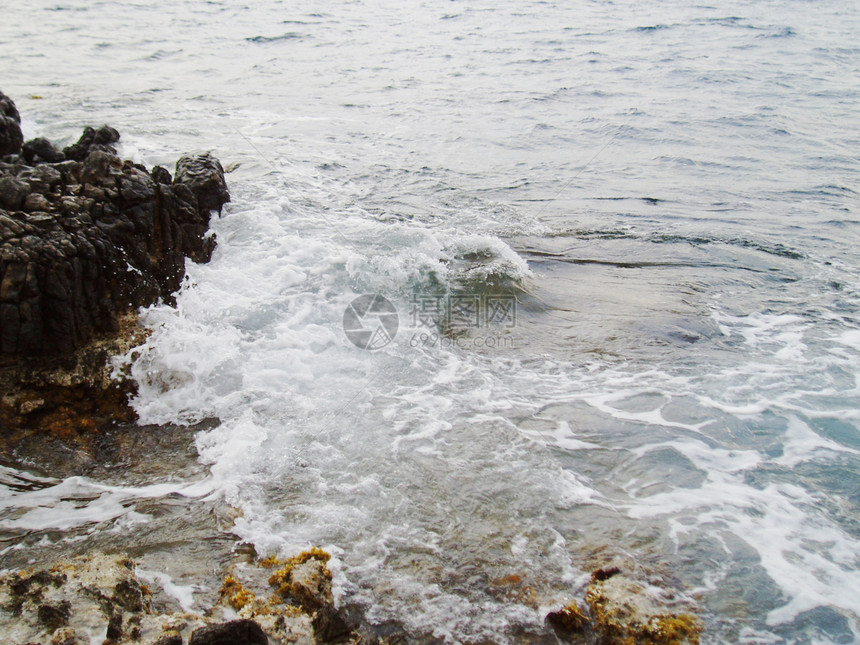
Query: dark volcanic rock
x,y
91,140
235,632
204,175
41,150
13,191
11,137
7,108
307,580
81,243
161,175
86,238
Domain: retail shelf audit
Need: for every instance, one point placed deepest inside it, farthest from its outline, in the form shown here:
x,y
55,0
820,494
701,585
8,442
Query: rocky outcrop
x,y
85,240
625,603
306,579
99,598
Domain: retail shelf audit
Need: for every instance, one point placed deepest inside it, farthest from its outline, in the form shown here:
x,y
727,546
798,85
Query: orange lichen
x,y
618,623
236,593
281,577
670,629
269,562
571,618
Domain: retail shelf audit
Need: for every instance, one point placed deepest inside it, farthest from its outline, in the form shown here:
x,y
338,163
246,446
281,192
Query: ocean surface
x,y
619,241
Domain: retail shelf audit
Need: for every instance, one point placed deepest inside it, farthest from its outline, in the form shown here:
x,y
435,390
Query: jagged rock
x,y
83,242
114,627
204,175
92,140
570,619
55,616
626,603
65,636
161,175
71,171
73,597
89,595
310,584
108,238
105,135
99,167
234,632
170,639
8,109
307,580
41,150
43,179
36,203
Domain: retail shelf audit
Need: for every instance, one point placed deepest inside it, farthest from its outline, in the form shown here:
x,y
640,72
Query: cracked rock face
x,y
85,236
85,240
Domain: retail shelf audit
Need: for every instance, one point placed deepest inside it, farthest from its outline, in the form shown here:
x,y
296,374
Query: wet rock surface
x,y
101,598
626,603
234,632
85,240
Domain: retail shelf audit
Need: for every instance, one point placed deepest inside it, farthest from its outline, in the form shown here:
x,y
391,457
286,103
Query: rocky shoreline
x,y
86,239
106,599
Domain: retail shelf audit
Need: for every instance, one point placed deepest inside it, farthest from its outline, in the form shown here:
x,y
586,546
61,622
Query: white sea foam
x,y
183,594
78,501
850,338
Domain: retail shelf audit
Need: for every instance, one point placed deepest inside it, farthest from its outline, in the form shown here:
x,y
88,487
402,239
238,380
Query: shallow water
x,y
668,193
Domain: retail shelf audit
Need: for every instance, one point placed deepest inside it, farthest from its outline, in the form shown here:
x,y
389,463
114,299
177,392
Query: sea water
x,y
620,244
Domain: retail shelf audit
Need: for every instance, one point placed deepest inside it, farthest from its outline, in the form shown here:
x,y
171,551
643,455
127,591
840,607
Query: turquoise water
x,y
667,192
